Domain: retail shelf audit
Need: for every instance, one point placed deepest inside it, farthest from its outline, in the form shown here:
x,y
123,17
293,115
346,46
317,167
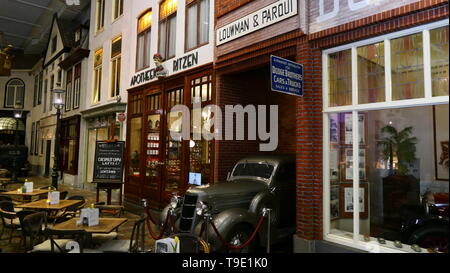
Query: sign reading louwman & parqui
x,y
257,20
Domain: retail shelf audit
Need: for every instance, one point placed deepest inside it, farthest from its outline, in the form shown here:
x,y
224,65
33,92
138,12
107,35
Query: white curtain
x,y
173,35
204,21
162,39
141,52
192,27
147,49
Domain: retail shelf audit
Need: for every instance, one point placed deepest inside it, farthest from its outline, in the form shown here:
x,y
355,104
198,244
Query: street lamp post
x,y
58,103
14,175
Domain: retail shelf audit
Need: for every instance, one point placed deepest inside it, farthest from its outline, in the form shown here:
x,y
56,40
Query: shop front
x,y
385,131
159,164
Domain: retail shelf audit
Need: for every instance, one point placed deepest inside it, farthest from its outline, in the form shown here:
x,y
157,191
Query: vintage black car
x,y
236,205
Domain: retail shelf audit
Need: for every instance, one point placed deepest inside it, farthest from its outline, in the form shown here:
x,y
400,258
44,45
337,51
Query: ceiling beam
x,y
20,21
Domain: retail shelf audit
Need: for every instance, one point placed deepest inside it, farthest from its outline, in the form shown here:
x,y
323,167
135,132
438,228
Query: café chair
x,y
63,195
134,245
9,217
58,241
71,211
110,210
32,224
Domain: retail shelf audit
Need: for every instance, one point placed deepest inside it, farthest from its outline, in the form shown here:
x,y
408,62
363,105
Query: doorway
x,y
47,158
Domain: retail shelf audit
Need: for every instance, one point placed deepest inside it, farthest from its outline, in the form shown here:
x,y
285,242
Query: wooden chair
x,y
71,211
9,218
134,245
59,241
32,224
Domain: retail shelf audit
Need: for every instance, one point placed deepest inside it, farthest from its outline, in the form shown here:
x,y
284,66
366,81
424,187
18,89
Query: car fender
x,y
419,222
224,223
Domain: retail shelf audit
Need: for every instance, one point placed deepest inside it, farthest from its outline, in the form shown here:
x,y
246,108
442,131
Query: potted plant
x,y
400,145
400,189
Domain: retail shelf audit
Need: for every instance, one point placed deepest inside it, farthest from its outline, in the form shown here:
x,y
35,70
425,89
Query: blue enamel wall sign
x,y
286,76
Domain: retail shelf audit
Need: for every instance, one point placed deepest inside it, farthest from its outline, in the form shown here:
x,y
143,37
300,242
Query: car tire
x,y
432,236
238,235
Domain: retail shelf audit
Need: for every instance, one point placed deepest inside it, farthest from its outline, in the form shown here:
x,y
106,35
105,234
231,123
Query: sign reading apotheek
x,y
286,76
257,20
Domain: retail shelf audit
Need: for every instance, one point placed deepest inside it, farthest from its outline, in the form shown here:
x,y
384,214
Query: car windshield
x,y
263,170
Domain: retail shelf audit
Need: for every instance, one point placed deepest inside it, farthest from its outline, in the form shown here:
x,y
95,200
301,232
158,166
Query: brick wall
x,y
309,144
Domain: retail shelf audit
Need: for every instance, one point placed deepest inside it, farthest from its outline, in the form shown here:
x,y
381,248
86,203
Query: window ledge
x,y
372,247
116,19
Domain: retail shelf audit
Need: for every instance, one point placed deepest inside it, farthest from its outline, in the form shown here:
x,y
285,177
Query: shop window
x,y
392,156
135,104
69,90
439,61
116,60
167,28
340,78
153,103
117,9
202,88
98,59
15,92
100,15
371,79
135,146
197,22
153,141
77,86
69,145
143,40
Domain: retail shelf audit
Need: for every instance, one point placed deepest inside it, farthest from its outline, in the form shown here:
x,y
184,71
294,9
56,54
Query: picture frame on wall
x,y
441,142
346,202
334,202
334,164
348,165
334,128
348,128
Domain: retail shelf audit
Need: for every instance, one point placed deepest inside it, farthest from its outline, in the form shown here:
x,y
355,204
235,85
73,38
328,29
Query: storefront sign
x,y
185,62
262,18
286,76
108,161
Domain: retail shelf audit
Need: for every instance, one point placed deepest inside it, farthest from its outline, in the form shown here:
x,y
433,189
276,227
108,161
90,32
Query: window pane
x,y
167,7
371,73
113,77
402,166
204,21
153,150
341,174
439,61
173,36
140,58
192,27
147,50
162,39
10,96
135,145
407,67
340,78
145,21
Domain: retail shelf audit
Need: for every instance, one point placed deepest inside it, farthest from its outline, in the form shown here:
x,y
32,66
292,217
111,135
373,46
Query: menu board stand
x,y
108,167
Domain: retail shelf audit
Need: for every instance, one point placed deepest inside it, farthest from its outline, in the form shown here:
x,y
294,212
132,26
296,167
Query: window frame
x,y
198,44
76,86
99,15
97,85
166,21
117,62
15,94
144,32
355,108
116,10
69,92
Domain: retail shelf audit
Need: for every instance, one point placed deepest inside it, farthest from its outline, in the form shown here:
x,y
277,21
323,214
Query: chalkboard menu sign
x,y
108,164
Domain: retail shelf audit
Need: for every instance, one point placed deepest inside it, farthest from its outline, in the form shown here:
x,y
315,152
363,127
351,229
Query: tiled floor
x,y
90,195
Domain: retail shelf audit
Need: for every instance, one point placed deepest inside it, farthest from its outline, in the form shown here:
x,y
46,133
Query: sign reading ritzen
x,y
257,20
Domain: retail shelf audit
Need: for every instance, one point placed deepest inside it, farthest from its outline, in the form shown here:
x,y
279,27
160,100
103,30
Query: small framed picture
x,y
334,128
346,204
334,202
348,128
348,165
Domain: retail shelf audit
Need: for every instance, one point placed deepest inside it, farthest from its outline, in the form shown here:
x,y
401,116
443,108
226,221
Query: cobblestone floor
x,y
90,195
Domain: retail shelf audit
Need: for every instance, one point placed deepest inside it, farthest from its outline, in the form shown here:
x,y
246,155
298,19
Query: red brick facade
x,y
307,50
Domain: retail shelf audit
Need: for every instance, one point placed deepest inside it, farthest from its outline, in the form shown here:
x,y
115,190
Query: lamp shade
x,y
58,97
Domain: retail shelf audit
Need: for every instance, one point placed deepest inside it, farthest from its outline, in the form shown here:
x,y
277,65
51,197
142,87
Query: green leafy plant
x,y
399,144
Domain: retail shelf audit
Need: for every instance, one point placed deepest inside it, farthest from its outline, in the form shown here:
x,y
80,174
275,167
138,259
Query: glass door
x,y
174,156
154,162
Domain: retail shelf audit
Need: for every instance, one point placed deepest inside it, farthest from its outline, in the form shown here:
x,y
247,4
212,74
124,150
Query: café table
x,y
51,209
26,197
105,225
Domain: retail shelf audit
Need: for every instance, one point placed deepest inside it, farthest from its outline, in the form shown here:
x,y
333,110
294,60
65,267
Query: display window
x,y
386,142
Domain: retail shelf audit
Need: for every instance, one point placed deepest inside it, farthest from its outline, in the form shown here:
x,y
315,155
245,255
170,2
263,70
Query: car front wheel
x,y
431,237
239,235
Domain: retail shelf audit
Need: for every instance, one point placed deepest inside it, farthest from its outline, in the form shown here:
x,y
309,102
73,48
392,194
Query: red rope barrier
x,y
147,211
202,229
258,226
150,231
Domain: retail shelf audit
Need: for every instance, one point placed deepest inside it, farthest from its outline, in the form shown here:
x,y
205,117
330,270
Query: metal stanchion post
x,y
266,211
144,205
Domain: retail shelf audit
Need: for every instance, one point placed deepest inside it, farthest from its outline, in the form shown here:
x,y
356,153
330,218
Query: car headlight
x,y
175,201
202,208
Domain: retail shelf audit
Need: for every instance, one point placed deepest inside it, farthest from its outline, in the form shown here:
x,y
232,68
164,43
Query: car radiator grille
x,y
188,213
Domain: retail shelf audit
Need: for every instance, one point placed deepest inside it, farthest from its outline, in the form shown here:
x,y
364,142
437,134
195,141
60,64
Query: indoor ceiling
x,y
25,24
